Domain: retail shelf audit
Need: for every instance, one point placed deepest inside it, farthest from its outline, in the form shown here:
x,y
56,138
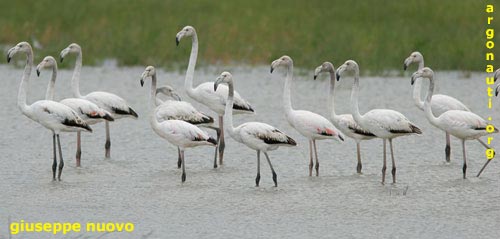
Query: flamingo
x,y
50,114
205,94
439,104
174,109
308,124
496,75
88,111
112,103
464,125
255,135
345,122
383,123
178,132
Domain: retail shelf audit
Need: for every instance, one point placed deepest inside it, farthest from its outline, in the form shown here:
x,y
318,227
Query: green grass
x,y
378,34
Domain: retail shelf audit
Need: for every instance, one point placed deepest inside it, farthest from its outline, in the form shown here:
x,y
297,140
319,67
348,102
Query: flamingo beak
x,y
317,71
38,72
177,41
496,91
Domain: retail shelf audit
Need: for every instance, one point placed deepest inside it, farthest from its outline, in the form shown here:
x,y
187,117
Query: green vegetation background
x,y
378,34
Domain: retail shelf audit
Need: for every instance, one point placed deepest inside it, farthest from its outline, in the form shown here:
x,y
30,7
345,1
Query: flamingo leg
x,y
358,151
483,143
107,146
310,158
217,130
183,177
179,160
384,167
447,150
221,145
257,179
275,176
393,163
316,156
61,161
78,149
54,163
464,168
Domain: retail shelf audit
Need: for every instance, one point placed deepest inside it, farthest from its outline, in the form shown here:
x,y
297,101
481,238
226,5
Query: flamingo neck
x,y
354,99
153,120
154,100
23,88
427,105
228,112
49,95
331,96
417,89
188,83
75,80
287,99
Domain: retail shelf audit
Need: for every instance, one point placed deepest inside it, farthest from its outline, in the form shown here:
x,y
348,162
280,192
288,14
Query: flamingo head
x,y
284,61
187,31
325,67
225,77
415,57
47,62
349,67
425,72
20,47
168,91
148,72
72,48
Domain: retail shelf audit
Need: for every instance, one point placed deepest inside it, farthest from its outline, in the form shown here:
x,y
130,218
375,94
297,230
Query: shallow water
x,y
141,183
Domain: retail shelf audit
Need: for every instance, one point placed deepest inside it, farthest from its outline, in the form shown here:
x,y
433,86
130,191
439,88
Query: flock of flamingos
x,y
178,121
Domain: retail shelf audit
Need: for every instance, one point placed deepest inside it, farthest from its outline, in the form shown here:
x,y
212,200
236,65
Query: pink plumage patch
x,y
326,131
93,113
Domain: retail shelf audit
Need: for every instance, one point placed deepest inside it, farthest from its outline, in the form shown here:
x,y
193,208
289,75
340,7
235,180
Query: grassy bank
x,y
379,34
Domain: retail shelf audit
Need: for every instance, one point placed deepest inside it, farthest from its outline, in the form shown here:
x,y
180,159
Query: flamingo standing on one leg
x,y
255,135
175,109
310,125
383,123
112,103
205,94
88,111
439,104
52,115
345,122
464,125
179,133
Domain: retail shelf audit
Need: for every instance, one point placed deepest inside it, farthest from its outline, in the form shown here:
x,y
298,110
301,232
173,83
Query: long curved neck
x,y
427,105
23,88
354,99
331,96
75,81
155,101
153,120
188,83
49,95
287,99
228,112
417,89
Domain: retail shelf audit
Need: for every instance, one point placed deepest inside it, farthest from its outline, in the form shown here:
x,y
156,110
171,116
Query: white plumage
x,y
439,104
177,132
383,123
310,125
205,93
111,103
255,135
345,122
52,115
174,109
461,124
88,111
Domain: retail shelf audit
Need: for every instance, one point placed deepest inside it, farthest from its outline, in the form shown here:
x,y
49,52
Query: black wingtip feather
x,y
415,129
123,112
212,140
242,108
77,124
